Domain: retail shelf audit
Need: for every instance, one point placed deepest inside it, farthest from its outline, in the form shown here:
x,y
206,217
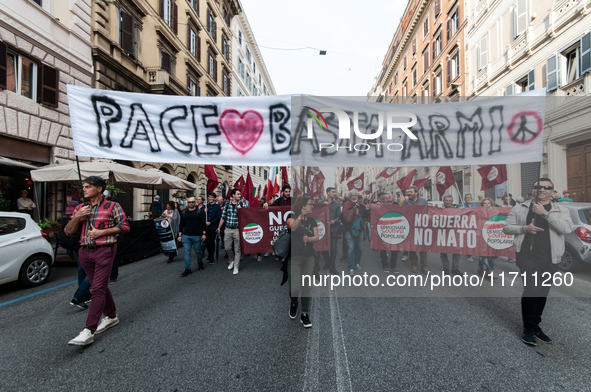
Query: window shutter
x,y
208,20
585,54
531,80
552,73
425,60
510,90
127,33
414,46
3,61
448,31
521,17
483,56
175,18
48,78
189,83
189,27
162,8
198,39
215,70
166,61
215,31
449,65
437,7
434,50
478,62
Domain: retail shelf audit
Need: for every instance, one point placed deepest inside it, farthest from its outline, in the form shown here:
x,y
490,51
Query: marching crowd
x,y
539,220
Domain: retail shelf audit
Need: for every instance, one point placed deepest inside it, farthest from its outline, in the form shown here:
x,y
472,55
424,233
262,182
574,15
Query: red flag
x,y
315,181
212,178
389,172
405,182
239,184
357,183
248,193
444,179
296,192
284,177
349,172
265,192
492,175
343,175
420,183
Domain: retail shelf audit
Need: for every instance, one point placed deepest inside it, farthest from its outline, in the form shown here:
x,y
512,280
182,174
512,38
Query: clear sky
x,y
355,35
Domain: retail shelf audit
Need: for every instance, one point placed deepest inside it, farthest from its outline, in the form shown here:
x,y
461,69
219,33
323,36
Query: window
x,y
239,92
193,86
195,5
571,60
226,16
212,26
248,56
437,85
241,68
437,7
266,174
426,28
248,82
165,62
255,92
11,225
520,20
482,52
226,83
524,84
21,75
404,63
453,67
127,33
437,45
169,12
396,78
414,76
212,67
40,2
260,80
265,88
426,59
254,69
426,92
453,24
414,47
240,37
225,48
404,88
194,43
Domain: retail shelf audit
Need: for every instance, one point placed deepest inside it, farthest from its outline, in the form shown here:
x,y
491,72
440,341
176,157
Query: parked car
x,y
27,255
578,243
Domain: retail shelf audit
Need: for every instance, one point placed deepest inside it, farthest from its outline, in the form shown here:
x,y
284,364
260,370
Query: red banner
x,y
444,179
259,228
357,183
405,182
473,231
492,175
389,172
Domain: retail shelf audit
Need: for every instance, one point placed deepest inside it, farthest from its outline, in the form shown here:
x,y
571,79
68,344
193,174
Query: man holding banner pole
x,y
213,215
413,199
232,236
455,258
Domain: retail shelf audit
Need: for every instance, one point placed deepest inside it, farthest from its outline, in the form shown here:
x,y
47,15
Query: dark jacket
x,y
335,215
214,214
192,222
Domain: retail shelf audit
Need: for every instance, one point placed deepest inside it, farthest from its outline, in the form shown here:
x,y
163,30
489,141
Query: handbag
x,y
282,244
70,242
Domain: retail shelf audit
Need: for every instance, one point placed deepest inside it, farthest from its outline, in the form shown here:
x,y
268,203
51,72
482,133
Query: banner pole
x,y
459,194
80,179
531,245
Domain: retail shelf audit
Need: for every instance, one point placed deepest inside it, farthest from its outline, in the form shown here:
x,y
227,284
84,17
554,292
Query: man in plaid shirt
x,y
97,223
232,235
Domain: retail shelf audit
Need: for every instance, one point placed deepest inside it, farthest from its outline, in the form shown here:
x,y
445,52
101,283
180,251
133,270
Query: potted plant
x,y
112,189
50,226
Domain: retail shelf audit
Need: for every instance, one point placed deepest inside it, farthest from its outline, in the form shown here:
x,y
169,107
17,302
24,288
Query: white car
x,y
26,253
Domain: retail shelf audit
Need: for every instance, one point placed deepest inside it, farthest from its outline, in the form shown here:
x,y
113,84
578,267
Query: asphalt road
x,y
213,331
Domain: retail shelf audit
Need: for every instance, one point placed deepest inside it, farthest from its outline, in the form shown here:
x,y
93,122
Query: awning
x,y
9,162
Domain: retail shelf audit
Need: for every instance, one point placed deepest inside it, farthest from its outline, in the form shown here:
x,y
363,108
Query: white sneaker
x,y
235,271
471,259
106,323
231,265
83,339
404,258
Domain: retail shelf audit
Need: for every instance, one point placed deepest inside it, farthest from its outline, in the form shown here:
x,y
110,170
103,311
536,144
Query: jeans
x,y
384,258
297,266
486,263
534,297
192,241
455,261
354,248
330,257
83,291
97,264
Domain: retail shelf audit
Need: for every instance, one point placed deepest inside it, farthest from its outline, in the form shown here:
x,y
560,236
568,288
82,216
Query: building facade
x,y
44,46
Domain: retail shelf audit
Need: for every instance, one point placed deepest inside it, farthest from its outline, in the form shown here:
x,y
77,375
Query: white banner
x,y
176,129
339,132
327,131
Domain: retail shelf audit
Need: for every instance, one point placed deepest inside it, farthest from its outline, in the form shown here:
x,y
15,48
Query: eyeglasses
x,y
546,187
191,202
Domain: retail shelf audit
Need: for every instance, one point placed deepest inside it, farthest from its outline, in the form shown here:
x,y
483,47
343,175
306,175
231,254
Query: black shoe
x,y
333,271
170,260
210,261
305,320
528,338
324,267
78,303
226,256
293,310
446,272
200,267
424,270
542,336
456,272
186,273
343,259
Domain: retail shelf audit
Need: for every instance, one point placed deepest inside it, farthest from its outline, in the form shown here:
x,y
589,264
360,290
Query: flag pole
x,y
531,245
459,194
80,179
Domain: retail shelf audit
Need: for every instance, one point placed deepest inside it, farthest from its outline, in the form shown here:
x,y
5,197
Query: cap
x,y
23,191
157,197
565,191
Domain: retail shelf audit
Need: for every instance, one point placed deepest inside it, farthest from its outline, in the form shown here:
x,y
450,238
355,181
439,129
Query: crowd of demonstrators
x,y
192,234
232,234
304,232
539,227
97,224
